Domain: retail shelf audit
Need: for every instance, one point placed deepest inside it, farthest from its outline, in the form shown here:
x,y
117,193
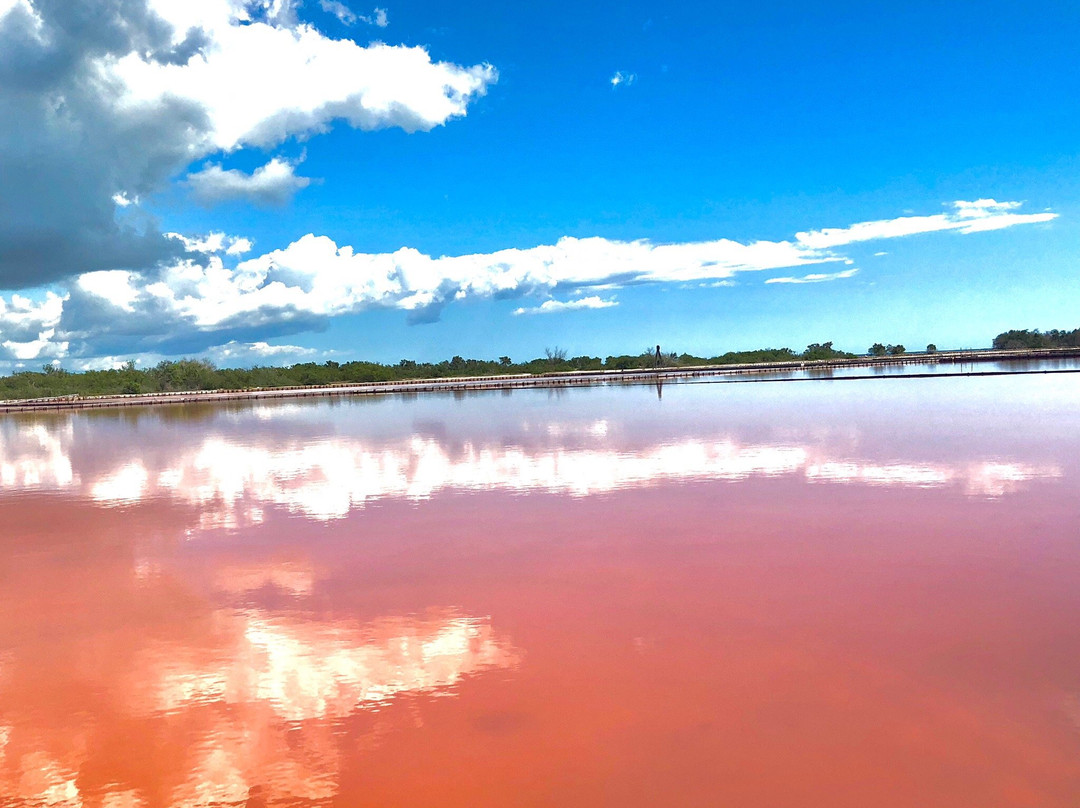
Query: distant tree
x,y
623,362
931,348
197,374
823,350
131,378
877,349
1024,339
586,363
755,357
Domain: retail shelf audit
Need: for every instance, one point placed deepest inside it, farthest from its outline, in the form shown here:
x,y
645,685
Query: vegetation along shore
x,y
197,375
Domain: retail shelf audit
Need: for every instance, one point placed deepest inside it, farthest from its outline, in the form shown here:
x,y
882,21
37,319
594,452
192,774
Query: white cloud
x,y
816,277
315,277
271,184
43,347
339,10
28,327
239,246
622,79
347,16
7,6
214,243
235,353
555,306
151,86
189,306
113,285
981,208
260,83
102,363
378,18
967,217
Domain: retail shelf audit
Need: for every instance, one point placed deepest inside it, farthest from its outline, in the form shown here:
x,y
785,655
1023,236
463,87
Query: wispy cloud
x,y
965,217
816,277
347,16
556,306
622,79
377,18
344,14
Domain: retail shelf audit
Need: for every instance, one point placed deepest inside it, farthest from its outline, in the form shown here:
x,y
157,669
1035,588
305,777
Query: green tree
x,y
816,351
896,350
931,348
877,349
1025,339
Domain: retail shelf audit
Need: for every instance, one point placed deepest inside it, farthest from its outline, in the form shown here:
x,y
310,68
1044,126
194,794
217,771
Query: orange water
x,y
841,595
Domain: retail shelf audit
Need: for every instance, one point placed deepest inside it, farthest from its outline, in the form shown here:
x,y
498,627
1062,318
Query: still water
x,y
859,594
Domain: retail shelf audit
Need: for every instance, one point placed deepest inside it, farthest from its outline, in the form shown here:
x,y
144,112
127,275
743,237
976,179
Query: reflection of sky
x,y
252,697
297,674
314,670
328,480
232,465
246,669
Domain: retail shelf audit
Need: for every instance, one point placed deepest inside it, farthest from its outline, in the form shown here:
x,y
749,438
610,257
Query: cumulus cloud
x,y
555,306
259,84
190,305
622,79
816,277
102,104
271,184
235,354
28,328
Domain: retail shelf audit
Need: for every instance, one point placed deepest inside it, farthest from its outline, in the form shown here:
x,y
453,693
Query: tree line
x,y
1025,339
198,374
186,375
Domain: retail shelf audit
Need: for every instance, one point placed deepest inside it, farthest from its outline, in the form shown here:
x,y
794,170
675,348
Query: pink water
x,y
817,594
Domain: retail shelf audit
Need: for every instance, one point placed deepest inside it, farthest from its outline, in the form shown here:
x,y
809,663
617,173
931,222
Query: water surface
x,y
756,595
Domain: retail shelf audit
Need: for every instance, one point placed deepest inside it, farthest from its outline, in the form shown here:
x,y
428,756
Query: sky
x,y
274,181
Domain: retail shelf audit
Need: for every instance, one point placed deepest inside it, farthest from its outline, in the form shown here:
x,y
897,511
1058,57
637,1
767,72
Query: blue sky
x,y
663,160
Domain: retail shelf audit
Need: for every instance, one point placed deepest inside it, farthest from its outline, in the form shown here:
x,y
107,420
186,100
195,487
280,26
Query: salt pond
x,y
813,594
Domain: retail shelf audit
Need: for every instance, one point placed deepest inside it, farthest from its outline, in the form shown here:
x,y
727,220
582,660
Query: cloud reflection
x,y
252,706
314,670
34,456
327,480
987,479
230,481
